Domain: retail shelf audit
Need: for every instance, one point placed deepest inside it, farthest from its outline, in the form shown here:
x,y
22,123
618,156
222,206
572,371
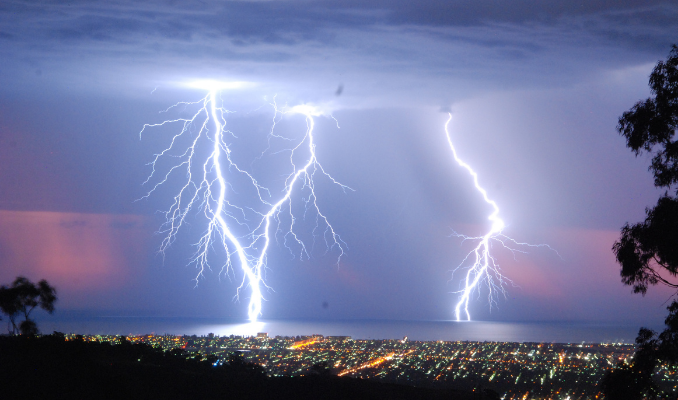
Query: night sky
x,y
535,89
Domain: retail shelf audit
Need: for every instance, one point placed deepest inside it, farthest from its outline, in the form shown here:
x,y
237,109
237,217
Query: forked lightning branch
x,y
480,266
237,233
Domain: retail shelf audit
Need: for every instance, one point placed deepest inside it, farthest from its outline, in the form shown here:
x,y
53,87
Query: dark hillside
x,y
49,367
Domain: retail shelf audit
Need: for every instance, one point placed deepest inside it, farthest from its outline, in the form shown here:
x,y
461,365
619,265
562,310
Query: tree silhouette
x,y
21,298
648,251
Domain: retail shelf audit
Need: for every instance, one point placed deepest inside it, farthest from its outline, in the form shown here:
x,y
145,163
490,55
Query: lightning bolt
x,y
202,152
483,265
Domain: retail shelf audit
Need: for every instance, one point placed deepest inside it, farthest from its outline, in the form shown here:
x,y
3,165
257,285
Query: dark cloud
x,y
291,22
471,12
376,47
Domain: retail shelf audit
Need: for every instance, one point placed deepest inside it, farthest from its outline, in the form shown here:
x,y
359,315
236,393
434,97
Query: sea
x,y
480,331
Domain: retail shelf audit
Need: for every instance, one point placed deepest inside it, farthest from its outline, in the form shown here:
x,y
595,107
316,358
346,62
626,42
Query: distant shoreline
x,y
473,331
134,337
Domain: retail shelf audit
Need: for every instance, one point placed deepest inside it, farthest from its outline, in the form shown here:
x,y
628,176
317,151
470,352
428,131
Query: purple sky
x,y
535,88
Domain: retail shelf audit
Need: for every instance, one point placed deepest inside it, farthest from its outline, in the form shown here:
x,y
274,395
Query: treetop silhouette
x,y
21,298
648,250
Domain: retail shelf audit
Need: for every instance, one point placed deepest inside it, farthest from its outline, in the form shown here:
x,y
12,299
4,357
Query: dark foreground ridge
x,y
50,367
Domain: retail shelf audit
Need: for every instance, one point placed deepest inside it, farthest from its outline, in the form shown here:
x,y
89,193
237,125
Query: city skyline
x,y
511,370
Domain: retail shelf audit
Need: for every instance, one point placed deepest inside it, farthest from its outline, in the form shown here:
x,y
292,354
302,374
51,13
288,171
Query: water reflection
x,y
246,329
